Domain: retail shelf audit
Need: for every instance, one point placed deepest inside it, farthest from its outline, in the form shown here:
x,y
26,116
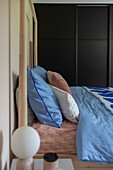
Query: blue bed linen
x,y
105,94
94,137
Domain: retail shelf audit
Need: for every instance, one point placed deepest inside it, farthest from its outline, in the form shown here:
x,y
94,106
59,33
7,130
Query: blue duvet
x,y
94,136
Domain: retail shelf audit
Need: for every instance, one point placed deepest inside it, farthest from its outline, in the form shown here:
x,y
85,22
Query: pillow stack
x,y
50,101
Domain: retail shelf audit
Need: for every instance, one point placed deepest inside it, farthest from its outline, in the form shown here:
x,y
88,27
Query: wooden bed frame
x,y
22,115
22,112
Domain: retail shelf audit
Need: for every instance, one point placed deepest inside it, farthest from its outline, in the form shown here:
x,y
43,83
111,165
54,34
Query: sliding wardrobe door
x,y
57,39
111,59
92,45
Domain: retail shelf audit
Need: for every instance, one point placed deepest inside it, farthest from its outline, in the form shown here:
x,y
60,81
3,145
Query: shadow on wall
x,y
13,111
1,148
15,85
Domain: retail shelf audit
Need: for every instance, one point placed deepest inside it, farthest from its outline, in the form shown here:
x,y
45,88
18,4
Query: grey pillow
x,y
31,116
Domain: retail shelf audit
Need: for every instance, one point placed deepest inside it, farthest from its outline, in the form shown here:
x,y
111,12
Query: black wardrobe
x,y
77,42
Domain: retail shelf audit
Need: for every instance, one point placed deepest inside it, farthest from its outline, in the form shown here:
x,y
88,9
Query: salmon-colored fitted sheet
x,y
59,140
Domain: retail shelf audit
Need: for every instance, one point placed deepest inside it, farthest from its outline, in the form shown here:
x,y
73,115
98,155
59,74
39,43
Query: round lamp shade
x,y
25,142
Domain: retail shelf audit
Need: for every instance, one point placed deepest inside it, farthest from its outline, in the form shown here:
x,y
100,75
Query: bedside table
x,y
65,164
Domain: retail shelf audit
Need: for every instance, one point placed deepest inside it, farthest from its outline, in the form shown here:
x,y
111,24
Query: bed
x,y
89,143
93,135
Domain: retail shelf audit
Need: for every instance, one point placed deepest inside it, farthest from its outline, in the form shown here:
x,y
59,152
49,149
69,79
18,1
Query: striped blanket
x,y
104,94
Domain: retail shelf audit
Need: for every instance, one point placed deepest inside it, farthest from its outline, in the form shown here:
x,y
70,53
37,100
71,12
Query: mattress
x,y
58,140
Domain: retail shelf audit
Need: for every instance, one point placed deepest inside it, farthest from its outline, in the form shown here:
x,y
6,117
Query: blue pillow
x,y
42,100
41,71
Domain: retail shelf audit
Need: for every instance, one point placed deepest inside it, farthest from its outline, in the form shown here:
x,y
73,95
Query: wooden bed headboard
x,y
22,112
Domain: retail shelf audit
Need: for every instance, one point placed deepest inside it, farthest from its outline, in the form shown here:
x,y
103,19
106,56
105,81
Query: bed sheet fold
x,y
94,137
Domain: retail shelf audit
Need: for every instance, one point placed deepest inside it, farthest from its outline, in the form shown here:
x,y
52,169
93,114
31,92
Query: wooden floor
x,y
79,165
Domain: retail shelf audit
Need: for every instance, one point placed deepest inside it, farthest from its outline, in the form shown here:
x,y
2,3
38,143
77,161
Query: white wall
x,y
4,84
75,1
14,61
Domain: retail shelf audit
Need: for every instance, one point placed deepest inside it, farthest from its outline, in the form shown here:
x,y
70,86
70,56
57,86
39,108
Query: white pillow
x,y
67,104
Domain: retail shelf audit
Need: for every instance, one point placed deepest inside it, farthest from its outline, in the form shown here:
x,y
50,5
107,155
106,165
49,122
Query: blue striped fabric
x,y
104,94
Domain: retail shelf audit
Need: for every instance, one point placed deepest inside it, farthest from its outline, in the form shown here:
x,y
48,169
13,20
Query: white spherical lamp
x,y
25,142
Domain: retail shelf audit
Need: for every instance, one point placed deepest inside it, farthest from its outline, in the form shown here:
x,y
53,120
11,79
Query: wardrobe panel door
x,y
92,46
92,62
112,62
112,45
56,21
58,56
92,22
